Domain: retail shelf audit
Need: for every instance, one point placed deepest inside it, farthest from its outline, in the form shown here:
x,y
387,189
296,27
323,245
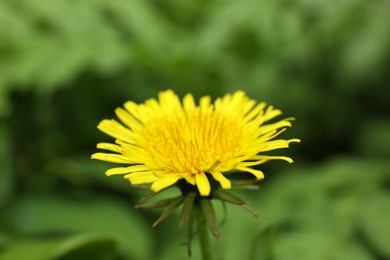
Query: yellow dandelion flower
x,y
167,140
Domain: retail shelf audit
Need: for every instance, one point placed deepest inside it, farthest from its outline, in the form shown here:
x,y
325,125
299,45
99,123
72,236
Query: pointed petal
x,y
117,170
132,108
169,100
271,113
204,103
188,102
165,182
116,130
123,170
203,184
127,119
191,179
109,147
274,126
264,158
252,163
258,174
278,144
137,178
111,157
218,176
253,114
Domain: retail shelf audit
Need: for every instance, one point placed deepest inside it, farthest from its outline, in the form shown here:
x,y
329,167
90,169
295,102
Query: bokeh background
x,y
66,65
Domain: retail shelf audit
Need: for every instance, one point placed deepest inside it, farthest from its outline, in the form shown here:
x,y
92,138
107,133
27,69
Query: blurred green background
x,y
65,65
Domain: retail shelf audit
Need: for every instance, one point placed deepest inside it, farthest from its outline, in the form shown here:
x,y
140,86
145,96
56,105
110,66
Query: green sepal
x,y
254,213
230,198
224,211
148,197
248,182
175,202
187,207
209,215
190,233
157,204
142,186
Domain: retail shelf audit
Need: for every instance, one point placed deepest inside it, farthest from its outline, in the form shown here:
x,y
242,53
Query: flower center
x,y
192,142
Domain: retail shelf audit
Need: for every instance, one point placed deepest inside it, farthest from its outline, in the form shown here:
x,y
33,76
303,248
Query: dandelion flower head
x,y
166,140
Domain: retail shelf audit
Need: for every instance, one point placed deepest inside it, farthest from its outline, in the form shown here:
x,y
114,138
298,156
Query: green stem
x,y
204,239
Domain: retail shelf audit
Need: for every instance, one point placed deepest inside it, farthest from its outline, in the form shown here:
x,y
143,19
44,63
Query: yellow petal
x,y
109,147
204,103
258,109
117,170
110,157
191,179
169,101
264,137
269,157
136,154
278,144
271,113
260,159
218,176
141,177
249,106
116,130
274,126
203,184
237,100
165,181
258,174
188,102
151,107
123,170
131,107
127,119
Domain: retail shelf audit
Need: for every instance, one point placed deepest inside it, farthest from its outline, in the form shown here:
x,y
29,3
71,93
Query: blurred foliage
x,y
65,65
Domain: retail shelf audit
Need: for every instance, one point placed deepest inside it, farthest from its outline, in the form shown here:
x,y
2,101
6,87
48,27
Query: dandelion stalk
x,y
204,239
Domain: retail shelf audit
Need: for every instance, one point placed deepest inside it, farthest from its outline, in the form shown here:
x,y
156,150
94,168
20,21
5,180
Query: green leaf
x,y
80,170
374,217
48,214
32,250
5,108
314,211
262,244
74,248
238,232
87,247
6,176
317,244
374,138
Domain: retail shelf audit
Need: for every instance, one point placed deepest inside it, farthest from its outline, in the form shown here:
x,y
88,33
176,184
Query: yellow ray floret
x,y
168,140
